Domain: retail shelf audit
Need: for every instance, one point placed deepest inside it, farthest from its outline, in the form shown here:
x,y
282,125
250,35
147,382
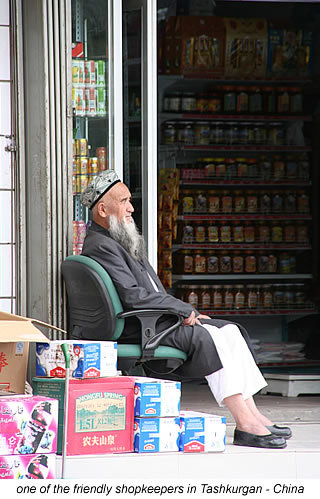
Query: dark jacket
x,y
136,291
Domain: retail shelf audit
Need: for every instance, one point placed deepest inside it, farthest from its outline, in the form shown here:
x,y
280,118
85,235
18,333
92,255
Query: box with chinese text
x,y
32,466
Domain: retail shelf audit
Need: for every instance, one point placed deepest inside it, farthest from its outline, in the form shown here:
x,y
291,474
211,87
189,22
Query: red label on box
x,y
100,416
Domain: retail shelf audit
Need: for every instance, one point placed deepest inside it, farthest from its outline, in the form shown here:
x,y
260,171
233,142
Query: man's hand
x,y
192,319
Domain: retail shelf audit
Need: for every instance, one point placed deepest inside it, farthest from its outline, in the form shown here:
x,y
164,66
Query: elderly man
x,y
216,349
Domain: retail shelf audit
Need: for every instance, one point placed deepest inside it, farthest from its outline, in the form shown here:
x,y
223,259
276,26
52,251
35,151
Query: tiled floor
x,y
299,460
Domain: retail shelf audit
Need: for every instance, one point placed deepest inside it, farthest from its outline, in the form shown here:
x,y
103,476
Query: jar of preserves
x,y
213,233
278,296
299,297
252,167
200,263
221,169
200,202
187,259
229,99
296,100
172,102
302,232
259,134
225,233
252,296
276,134
217,133
267,298
273,264
225,263
213,202
270,100
238,233
239,202
187,234
288,296
239,297
255,100
204,297
237,263
276,232
283,101
289,232
231,168
231,133
217,297
200,232
265,202
242,167
214,102
284,263
303,167
188,102
279,168
303,203
277,202
228,299
212,263
252,202
209,167
292,167
187,201
242,100
185,133
265,166
250,262
264,235
249,233
202,103
192,296
290,202
244,133
169,136
263,263
202,133
226,202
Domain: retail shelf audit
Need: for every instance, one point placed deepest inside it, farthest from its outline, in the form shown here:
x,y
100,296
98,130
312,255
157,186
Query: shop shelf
x,y
233,117
241,277
257,312
253,216
242,246
242,148
252,182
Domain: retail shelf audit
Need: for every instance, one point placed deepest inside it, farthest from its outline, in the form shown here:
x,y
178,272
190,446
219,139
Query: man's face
x,y
119,202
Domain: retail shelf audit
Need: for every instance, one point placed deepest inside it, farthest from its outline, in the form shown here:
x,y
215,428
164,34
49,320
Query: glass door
x,y
140,115
94,107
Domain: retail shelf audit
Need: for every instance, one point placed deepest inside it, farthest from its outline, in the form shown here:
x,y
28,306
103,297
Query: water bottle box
x,y
201,432
156,434
32,466
28,425
88,359
156,397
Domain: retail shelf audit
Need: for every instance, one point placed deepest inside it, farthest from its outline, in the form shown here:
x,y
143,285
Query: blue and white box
x,y
156,397
156,434
88,359
201,432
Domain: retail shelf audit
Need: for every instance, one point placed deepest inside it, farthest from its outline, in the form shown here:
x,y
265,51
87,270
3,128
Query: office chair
x,y
95,313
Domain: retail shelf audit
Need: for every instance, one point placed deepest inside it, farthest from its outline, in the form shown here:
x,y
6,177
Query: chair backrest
x,y
93,301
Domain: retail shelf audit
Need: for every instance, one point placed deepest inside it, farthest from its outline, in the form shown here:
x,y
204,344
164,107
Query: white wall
x,y
7,299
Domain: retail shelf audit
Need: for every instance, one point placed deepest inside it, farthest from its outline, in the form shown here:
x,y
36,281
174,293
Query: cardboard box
x,y
28,424
194,44
156,397
15,334
32,466
156,434
100,416
88,359
202,432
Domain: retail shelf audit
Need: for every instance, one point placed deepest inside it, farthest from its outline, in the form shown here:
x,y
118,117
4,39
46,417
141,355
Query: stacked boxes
x,y
157,422
202,432
28,436
88,359
100,413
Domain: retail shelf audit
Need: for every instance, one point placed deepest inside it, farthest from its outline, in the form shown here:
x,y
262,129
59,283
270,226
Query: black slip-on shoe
x,y
280,431
269,441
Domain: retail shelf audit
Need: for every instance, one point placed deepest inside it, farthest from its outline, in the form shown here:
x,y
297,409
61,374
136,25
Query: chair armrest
x,y
148,318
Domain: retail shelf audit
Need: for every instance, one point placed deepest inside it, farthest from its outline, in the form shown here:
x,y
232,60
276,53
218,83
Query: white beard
x,y
128,236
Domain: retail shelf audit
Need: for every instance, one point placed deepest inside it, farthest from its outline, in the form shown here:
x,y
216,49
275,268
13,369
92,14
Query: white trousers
x,y
240,373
